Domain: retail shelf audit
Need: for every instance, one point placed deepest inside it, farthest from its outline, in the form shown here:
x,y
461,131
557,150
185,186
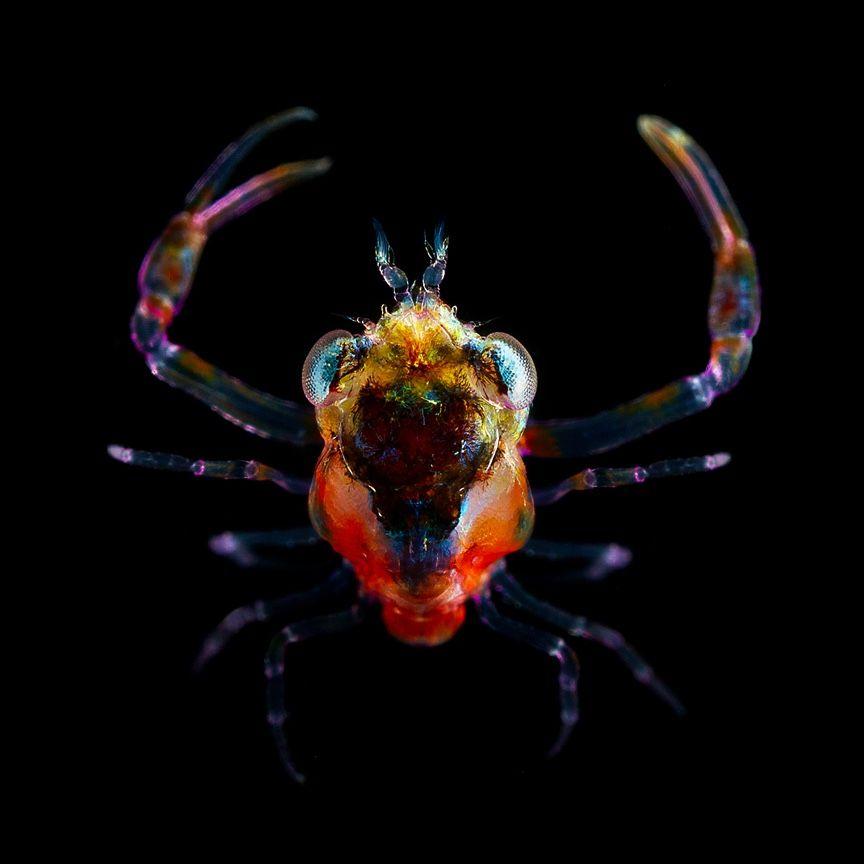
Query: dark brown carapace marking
x,y
420,485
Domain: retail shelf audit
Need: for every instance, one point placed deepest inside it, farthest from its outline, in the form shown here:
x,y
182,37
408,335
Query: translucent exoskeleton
x,y
420,486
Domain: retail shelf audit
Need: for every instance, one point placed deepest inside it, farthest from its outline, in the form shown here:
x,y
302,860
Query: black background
x,y
567,232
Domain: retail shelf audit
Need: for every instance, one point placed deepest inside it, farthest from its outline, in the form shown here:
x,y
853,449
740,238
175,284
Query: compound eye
x,y
515,368
322,364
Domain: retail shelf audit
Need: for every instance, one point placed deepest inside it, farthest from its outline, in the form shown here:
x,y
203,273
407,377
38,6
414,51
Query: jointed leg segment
x,y
244,547
601,559
264,610
555,647
232,470
576,625
274,669
607,478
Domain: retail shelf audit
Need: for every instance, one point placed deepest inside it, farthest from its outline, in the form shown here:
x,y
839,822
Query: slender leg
x,y
166,276
555,647
512,592
733,316
242,547
233,470
264,610
602,558
274,669
608,478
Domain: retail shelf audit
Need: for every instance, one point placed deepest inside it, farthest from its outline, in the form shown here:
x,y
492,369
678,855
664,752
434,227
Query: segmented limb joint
x,y
576,625
232,470
264,610
609,478
548,643
602,558
244,548
274,669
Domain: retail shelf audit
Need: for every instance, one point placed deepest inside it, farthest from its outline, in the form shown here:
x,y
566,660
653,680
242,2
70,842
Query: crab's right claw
x,y
166,277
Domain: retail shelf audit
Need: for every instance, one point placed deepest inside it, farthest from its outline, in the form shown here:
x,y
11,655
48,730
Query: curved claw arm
x,y
733,316
166,276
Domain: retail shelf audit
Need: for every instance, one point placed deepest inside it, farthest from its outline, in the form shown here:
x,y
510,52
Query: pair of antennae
x,y
433,275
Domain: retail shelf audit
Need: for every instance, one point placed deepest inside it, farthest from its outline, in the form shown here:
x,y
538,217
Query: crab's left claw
x,y
733,315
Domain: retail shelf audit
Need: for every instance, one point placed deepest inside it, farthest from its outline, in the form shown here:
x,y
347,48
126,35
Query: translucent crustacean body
x,y
421,487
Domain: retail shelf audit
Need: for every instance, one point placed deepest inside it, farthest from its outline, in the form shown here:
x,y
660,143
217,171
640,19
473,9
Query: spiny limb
x,y
274,669
555,647
243,547
607,478
576,625
601,559
733,317
166,277
233,470
264,610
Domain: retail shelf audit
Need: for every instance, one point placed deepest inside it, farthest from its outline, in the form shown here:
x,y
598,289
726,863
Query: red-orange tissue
x,y
420,485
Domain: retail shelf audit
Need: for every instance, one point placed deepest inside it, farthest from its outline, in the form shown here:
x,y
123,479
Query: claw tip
x,y
652,126
301,112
